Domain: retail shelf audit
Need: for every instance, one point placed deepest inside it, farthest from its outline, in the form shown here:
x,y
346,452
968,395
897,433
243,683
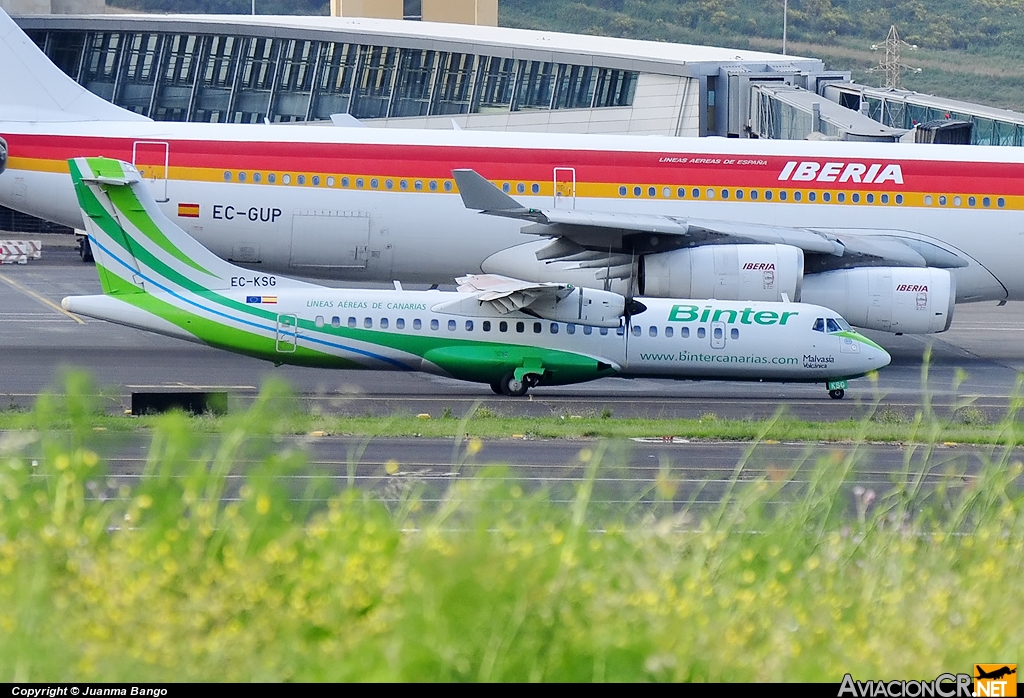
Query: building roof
x,y
631,54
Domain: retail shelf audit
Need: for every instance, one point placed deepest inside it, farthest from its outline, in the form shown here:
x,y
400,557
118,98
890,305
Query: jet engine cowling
x,y
724,272
891,299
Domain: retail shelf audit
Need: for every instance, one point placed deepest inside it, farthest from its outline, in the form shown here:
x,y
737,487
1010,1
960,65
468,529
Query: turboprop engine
x,y
724,272
891,299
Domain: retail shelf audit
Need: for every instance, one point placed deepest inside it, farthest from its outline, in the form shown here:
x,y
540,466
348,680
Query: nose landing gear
x,y
836,389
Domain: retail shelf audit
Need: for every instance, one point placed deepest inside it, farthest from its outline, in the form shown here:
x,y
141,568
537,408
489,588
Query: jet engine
x,y
724,272
891,299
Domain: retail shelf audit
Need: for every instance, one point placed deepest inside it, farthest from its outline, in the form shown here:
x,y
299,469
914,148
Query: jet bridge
x,y
781,111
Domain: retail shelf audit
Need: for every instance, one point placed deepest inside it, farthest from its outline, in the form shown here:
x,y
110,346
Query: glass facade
x,y
199,77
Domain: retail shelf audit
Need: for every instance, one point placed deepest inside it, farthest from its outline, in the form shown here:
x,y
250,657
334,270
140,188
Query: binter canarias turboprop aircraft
x,y
503,332
888,235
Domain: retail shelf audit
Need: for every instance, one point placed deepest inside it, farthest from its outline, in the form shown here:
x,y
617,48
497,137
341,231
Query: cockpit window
x,y
832,325
843,324
819,325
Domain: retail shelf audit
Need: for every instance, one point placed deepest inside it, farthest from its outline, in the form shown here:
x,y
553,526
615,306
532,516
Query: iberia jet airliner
x,y
495,330
888,235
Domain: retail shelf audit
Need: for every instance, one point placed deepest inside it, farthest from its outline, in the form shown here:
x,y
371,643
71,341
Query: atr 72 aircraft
x,y
510,334
888,235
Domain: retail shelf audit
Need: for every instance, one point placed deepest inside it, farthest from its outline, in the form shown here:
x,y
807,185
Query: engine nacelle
x,y
3,155
585,306
724,272
891,299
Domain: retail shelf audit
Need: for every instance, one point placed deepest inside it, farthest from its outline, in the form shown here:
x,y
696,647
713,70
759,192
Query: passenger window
x,y
753,194
719,333
570,328
335,321
604,331
487,325
587,329
520,327
666,192
383,323
554,328
653,331
652,192
469,325
739,193
503,326
622,191
537,328
735,333
832,325
535,188
319,321
637,330
400,323
368,323
783,195
668,331
681,192
434,324
696,193
684,332
351,322
701,333
417,324
819,325
768,196
452,325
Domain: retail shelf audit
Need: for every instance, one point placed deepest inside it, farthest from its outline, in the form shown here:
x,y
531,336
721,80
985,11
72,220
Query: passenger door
x,y
565,188
153,159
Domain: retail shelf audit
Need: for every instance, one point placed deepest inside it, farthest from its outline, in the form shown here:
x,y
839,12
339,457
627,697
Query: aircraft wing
x,y
507,295
578,233
552,301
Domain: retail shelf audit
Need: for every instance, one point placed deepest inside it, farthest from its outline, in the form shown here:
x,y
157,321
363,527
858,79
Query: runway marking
x,y
45,301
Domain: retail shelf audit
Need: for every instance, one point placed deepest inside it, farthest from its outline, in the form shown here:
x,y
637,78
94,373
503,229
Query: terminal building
x,y
395,73
423,74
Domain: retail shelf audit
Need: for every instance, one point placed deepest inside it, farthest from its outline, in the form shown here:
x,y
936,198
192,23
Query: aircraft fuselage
x,y
381,204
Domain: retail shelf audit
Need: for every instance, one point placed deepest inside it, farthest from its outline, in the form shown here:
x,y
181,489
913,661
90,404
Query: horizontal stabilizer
x,y
477,193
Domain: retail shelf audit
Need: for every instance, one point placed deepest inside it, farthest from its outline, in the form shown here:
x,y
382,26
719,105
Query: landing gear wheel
x,y
496,388
512,387
837,394
85,249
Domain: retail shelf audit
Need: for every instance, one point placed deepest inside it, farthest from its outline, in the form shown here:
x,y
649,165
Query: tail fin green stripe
x,y
128,203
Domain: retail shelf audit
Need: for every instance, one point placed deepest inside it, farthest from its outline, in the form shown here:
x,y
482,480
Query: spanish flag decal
x,y
188,210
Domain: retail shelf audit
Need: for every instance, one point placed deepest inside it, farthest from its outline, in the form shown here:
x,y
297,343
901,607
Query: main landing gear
x,y
515,387
837,393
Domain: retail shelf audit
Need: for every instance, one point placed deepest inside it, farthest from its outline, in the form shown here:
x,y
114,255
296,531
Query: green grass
x,y
171,580
961,423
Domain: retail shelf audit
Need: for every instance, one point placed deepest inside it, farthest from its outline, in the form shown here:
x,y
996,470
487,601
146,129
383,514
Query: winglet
x,y
477,193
